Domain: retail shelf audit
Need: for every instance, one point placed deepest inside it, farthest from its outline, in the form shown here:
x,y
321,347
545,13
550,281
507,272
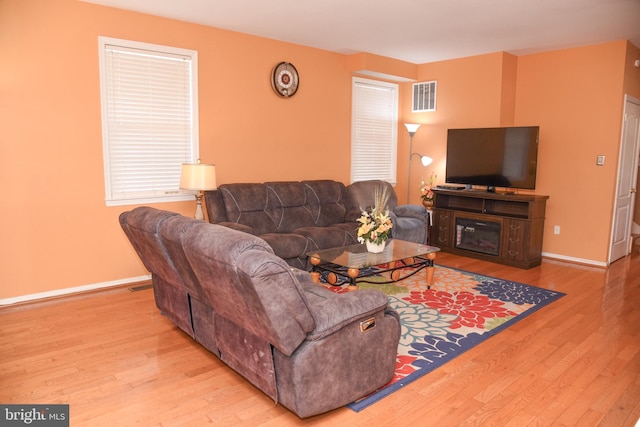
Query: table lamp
x,y
199,177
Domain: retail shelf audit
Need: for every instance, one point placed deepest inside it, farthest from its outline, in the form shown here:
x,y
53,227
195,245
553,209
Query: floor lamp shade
x,y
412,128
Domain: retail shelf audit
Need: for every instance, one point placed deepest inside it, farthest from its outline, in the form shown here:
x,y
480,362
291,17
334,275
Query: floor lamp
x,y
199,177
426,160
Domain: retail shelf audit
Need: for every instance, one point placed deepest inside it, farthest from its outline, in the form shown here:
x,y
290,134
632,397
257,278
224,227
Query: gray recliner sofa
x,y
308,348
298,217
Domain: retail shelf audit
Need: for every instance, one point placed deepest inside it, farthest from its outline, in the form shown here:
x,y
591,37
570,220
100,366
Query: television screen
x,y
493,157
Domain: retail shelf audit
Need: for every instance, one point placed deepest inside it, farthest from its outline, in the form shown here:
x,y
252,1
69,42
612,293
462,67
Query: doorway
x,y
624,206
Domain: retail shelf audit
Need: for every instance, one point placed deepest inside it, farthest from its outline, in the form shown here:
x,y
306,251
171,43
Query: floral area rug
x,y
460,311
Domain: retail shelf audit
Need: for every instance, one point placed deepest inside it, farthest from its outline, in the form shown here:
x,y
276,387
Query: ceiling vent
x,y
424,96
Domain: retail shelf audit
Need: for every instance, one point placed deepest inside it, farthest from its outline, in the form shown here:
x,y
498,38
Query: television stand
x,y
497,227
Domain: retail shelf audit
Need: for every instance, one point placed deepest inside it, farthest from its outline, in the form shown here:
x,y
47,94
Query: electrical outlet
x,y
600,160
556,229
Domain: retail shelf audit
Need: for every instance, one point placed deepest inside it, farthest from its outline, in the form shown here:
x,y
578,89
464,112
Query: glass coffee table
x,y
354,263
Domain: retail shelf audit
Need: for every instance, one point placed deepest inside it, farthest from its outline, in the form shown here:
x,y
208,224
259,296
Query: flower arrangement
x,y
375,226
426,192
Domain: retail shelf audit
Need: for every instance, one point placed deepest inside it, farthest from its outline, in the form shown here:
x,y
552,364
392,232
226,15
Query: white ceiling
x,y
417,31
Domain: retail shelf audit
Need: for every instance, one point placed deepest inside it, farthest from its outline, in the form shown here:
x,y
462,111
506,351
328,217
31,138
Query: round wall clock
x,y
284,79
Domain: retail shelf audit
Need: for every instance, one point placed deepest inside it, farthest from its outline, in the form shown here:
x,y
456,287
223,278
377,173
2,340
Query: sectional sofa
x,y
298,217
307,348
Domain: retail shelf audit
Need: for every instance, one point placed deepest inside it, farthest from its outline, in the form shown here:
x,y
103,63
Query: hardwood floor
x,y
118,362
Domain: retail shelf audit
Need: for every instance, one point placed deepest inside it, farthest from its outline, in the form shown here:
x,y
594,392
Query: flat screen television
x,y
493,157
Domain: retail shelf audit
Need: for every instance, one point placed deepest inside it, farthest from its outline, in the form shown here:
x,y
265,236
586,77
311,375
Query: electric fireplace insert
x,y
478,236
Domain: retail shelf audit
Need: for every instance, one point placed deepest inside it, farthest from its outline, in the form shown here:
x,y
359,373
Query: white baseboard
x,y
575,260
74,290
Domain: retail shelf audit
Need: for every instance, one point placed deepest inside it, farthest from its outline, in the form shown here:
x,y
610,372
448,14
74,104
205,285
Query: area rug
x,y
459,312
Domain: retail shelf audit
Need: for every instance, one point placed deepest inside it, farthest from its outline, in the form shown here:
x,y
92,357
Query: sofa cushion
x,y
171,233
142,227
288,206
327,200
212,252
278,299
350,229
362,195
288,245
410,229
216,210
248,204
332,314
325,237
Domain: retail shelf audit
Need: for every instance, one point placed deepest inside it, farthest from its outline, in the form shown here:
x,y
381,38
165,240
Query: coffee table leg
x,y
353,274
430,269
315,275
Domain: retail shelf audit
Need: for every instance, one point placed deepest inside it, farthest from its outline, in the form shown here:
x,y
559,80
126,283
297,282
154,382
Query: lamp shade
x,y
199,176
412,127
426,160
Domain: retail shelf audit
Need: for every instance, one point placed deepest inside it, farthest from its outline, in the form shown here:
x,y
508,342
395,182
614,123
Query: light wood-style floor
x,y
118,362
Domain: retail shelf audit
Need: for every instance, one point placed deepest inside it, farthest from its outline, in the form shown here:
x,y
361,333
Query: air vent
x,y
424,96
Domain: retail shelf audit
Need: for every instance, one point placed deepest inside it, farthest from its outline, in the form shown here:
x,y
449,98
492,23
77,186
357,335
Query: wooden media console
x,y
499,227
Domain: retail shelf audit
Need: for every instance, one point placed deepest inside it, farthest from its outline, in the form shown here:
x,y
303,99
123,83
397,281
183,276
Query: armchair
x,y
410,222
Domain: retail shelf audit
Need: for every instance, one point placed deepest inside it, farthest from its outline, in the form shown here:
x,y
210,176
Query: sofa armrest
x,y
333,312
239,227
303,277
411,211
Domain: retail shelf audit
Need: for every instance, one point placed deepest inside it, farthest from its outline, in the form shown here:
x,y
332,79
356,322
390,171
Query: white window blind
x,y
149,119
374,130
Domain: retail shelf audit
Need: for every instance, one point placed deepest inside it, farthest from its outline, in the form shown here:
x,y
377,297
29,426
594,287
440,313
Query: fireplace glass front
x,y
478,236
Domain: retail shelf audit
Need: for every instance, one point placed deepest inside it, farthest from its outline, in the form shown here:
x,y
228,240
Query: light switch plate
x,y
600,160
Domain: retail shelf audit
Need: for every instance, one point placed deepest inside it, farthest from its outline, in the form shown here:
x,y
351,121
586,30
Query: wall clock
x,y
284,79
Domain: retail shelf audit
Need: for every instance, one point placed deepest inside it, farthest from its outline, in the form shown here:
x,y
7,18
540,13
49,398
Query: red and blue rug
x,y
460,311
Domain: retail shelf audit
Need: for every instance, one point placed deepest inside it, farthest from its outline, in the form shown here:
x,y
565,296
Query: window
x,y
374,133
424,97
149,120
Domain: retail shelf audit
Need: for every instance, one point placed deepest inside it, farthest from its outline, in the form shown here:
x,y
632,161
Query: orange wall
x,y
57,232
575,95
470,93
